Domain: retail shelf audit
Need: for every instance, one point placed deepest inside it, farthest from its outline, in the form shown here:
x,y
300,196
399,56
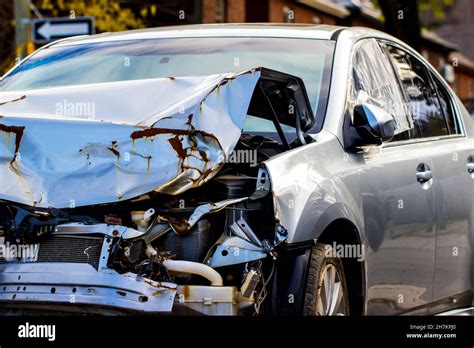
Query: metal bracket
x,y
234,250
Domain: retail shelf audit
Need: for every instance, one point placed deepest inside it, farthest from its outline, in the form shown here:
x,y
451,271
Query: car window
x,y
373,81
446,107
423,104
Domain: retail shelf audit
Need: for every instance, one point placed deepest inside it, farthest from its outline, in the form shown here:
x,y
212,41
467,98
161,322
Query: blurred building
x,y
450,49
168,12
458,28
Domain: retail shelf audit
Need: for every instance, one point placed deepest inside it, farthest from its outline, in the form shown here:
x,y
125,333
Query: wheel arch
x,y
344,232
292,270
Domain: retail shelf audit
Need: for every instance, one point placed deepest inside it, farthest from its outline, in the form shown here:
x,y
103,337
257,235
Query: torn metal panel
x,y
175,135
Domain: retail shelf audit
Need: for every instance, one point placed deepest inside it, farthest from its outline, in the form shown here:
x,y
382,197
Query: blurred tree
x,y
433,12
402,17
401,20
7,35
109,15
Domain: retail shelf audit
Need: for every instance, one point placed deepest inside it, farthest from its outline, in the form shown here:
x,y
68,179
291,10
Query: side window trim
x,y
458,115
422,140
457,111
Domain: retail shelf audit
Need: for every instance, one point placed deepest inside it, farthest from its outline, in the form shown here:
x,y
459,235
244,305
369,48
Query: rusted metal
x,y
178,147
113,148
152,132
13,100
18,131
112,220
180,226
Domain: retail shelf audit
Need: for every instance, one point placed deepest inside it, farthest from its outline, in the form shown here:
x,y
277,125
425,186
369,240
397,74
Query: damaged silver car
x,y
233,170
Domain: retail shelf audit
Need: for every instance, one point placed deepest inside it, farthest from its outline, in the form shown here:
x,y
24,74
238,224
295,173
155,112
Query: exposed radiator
x,y
76,249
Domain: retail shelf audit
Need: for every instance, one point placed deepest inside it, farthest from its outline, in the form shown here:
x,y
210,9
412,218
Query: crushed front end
x,y
174,214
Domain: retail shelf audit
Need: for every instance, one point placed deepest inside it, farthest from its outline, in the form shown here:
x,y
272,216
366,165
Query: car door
x,y
396,194
451,153
454,184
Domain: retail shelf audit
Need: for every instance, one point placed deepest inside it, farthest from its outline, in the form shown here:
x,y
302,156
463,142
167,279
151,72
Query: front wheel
x,y
326,290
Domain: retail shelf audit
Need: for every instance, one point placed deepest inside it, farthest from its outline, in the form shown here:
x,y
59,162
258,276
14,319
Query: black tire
x,y
315,299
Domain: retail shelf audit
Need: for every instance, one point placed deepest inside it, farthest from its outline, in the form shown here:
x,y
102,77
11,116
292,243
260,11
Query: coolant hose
x,y
194,268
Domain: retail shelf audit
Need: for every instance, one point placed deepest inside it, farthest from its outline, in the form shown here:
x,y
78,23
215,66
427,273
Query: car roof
x,y
310,31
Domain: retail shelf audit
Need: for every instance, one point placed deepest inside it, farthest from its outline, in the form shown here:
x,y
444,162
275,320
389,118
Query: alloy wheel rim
x,y
331,299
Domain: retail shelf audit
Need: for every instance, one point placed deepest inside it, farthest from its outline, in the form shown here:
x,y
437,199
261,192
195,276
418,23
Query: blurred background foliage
x,y
437,8
109,15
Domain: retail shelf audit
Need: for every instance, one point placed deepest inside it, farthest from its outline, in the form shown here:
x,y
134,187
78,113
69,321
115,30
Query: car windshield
x,y
88,63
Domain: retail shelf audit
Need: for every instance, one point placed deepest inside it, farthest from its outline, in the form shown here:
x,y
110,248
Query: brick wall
x,y
209,11
302,14
236,11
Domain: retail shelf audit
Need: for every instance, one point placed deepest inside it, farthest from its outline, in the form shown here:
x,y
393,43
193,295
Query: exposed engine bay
x,y
208,250
214,235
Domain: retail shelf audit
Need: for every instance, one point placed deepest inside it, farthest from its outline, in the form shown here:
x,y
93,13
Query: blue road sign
x,y
49,29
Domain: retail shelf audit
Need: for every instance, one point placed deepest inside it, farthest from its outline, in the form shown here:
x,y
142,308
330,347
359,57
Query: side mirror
x,y
371,125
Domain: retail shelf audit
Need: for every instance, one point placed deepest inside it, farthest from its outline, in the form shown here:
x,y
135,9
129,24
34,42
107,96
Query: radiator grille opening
x,y
75,249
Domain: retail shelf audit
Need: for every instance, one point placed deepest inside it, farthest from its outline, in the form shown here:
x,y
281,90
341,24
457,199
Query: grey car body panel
x,y
309,188
321,180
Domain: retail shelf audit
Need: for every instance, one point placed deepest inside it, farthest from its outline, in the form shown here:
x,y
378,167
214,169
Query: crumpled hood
x,y
73,146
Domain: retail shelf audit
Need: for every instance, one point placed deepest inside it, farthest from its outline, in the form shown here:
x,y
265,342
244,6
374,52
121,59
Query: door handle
x,y
423,173
470,164
470,167
425,176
